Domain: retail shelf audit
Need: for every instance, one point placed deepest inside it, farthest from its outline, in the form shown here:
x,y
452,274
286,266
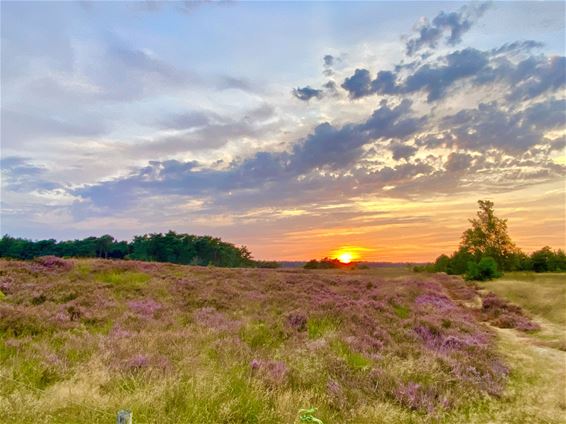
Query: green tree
x,y
488,237
441,263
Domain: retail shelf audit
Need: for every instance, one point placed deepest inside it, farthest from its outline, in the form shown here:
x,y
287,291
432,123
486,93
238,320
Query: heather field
x,y
81,339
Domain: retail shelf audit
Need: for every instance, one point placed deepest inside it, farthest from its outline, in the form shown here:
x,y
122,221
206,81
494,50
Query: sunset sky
x,y
298,129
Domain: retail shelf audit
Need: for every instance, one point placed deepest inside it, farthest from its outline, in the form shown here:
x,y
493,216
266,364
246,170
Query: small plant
x,y
306,416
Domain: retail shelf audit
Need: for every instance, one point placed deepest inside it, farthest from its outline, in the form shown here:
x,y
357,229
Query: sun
x,y
345,257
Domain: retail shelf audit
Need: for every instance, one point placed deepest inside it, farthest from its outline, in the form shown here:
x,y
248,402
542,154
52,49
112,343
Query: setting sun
x,y
345,257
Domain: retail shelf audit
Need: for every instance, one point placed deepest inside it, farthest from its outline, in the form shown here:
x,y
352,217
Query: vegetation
x,y
327,263
543,296
485,269
81,339
169,247
486,250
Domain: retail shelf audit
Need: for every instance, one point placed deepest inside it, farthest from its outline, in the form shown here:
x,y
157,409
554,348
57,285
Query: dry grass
x,y
541,295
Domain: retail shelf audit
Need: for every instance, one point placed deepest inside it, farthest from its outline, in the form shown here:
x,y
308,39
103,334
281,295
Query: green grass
x,y
354,360
123,279
261,335
318,327
401,311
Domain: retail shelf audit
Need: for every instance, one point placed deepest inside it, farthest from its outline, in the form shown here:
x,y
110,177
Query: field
x,y
82,339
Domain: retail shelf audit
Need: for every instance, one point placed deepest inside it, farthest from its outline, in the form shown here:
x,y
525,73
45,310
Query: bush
x,y
485,269
327,263
267,264
441,263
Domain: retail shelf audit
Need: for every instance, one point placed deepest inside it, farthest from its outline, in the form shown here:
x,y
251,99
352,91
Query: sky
x,y
298,129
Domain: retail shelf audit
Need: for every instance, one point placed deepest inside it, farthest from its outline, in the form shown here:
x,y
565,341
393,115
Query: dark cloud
x,y
436,80
492,126
307,93
328,60
396,122
330,88
385,83
535,76
359,84
329,64
457,162
447,27
526,79
402,151
337,148
546,116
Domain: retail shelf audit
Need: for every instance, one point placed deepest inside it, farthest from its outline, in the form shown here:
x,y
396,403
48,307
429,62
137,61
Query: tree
x,y
103,245
441,263
488,237
170,247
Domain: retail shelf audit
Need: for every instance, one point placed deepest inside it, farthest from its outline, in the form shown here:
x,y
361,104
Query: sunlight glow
x,y
345,257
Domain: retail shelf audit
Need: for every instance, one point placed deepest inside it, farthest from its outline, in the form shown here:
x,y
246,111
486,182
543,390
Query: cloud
x,y
535,76
329,63
402,151
328,60
436,80
326,148
307,93
458,162
19,127
188,120
359,84
229,82
21,175
446,27
129,113
526,79
490,125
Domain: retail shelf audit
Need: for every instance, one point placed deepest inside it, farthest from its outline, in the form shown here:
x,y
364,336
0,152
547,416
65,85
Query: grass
x,y
541,295
125,279
208,345
318,327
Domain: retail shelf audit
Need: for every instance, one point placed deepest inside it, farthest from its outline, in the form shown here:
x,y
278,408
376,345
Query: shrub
x,y
485,269
505,315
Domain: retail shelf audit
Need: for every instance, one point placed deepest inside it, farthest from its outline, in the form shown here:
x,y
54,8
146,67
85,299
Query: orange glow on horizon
x,y
347,254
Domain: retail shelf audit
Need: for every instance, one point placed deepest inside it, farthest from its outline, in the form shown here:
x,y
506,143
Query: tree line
x,y
170,247
486,250
328,263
